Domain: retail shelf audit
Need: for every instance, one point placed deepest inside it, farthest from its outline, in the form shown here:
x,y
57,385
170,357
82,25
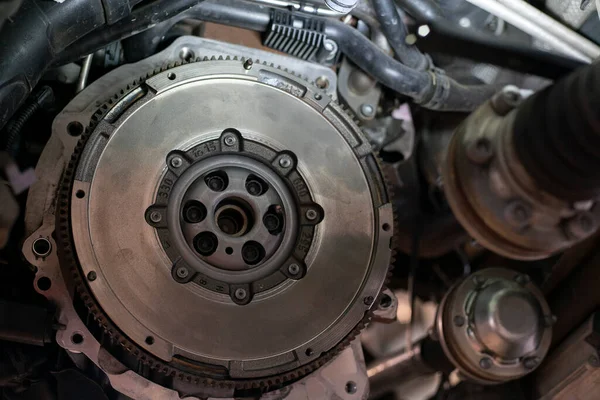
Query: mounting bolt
x,y
581,226
285,162
155,217
549,320
176,162
485,363
480,151
506,100
478,281
248,64
294,269
91,276
182,272
594,361
367,110
368,300
230,140
311,214
522,279
531,362
517,214
240,294
459,321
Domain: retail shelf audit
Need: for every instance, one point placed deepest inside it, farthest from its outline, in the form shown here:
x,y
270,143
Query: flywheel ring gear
x,y
273,77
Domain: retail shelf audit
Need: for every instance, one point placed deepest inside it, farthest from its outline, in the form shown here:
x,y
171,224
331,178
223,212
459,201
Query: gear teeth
x,y
68,257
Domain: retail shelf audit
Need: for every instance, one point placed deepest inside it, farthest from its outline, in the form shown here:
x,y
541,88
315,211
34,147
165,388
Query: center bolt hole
x,y
233,217
194,212
206,243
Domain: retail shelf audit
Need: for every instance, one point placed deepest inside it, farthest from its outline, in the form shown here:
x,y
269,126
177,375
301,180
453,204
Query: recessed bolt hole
x,y
256,186
77,338
41,247
309,352
171,76
92,276
386,301
252,253
75,128
149,340
273,219
44,283
386,227
318,96
80,194
206,243
229,250
350,387
194,212
217,181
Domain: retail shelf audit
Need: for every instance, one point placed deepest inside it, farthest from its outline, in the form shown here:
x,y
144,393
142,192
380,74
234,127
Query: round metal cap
x,y
508,319
492,326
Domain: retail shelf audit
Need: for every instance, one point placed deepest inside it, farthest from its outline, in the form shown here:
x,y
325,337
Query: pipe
x,y
422,10
139,20
396,32
432,89
539,25
385,373
33,37
84,73
300,7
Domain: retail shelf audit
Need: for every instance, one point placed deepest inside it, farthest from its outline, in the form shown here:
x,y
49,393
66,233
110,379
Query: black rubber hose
x,y
556,136
396,32
422,10
33,37
431,89
140,19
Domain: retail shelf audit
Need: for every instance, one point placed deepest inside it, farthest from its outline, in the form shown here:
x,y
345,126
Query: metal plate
x,y
134,286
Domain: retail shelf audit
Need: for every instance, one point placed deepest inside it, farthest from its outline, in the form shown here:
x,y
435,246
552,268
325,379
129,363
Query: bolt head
x,y
230,140
285,162
531,362
517,214
368,300
459,321
311,215
582,225
423,30
155,217
182,272
92,276
480,151
294,269
367,110
485,363
176,162
254,188
240,293
271,222
522,279
248,64
594,361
